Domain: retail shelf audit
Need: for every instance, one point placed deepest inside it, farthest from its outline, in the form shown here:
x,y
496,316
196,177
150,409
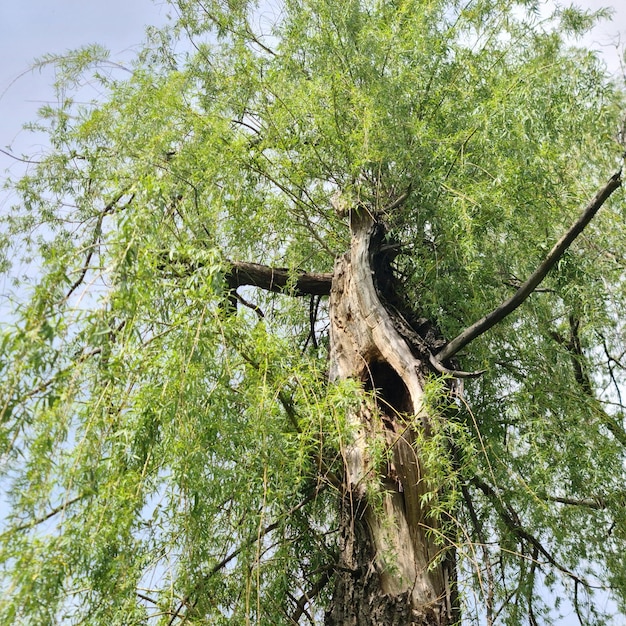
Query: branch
x,y
142,596
478,529
498,314
583,379
597,504
11,155
255,538
513,523
442,369
307,596
253,307
573,347
109,208
276,279
44,518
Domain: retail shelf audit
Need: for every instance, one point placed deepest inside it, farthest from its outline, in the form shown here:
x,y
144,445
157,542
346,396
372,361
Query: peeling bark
x,y
387,572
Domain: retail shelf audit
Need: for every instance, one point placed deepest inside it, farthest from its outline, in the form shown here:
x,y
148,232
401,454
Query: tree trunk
x,y
393,570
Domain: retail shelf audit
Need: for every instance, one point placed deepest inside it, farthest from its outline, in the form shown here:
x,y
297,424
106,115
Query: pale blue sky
x,y
31,28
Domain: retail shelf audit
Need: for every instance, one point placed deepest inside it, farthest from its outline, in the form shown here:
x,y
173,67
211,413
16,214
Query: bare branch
x,y
442,369
499,313
143,596
275,279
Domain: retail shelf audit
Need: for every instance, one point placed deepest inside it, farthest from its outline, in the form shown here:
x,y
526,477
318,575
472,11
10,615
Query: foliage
x,y
167,455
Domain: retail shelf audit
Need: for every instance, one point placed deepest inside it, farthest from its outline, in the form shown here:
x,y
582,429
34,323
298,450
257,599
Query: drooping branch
x,y
478,529
499,313
574,348
582,377
254,538
277,279
513,522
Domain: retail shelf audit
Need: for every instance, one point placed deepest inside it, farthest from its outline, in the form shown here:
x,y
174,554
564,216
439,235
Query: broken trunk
x,y
394,568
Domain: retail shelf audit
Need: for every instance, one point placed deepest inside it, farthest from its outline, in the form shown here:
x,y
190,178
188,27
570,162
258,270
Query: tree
x,y
326,325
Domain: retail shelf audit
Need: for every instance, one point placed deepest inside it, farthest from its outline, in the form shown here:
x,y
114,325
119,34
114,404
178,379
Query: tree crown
x,y
170,440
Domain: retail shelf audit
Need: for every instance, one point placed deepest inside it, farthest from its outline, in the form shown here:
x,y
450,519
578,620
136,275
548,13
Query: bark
x,y
278,279
392,568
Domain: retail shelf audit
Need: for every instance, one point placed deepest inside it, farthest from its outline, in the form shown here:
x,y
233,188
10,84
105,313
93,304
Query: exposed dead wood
x,y
386,574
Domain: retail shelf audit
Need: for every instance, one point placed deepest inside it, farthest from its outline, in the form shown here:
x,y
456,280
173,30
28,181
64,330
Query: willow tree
x,y
323,325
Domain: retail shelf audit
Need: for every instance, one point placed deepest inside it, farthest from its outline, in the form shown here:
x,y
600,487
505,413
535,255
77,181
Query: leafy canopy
x,y
165,455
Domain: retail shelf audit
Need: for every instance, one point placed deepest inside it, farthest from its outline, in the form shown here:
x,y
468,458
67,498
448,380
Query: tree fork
x,y
390,569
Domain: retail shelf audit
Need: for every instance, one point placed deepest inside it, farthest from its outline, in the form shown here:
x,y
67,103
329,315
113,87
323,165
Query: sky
x,y
32,28
609,38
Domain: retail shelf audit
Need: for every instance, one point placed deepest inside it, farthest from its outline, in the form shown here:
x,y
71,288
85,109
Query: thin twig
x,y
109,208
44,518
29,161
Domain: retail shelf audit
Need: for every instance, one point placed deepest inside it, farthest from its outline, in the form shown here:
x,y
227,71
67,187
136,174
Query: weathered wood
x,y
386,573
